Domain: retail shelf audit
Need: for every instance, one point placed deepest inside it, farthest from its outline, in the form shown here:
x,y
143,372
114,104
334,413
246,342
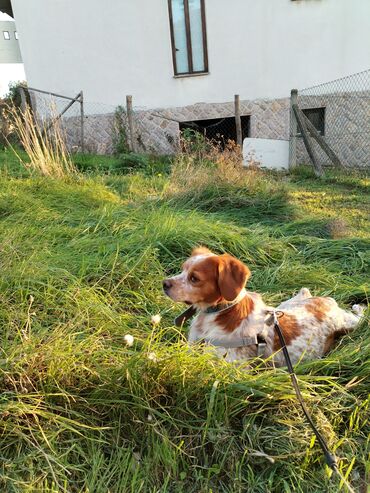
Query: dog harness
x,y
256,340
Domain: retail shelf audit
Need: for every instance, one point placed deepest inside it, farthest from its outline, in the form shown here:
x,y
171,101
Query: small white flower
x,y
152,357
129,340
156,319
149,417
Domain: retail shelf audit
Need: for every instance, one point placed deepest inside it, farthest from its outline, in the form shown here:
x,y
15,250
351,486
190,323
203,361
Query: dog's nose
x,y
167,284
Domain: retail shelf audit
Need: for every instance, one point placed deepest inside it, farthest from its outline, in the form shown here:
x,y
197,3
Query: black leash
x,y
329,456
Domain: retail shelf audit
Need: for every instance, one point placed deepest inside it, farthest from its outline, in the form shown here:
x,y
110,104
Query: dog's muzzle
x,y
167,285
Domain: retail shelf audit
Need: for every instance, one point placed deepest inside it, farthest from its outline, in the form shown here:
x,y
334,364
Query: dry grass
x,y
203,164
46,148
206,177
338,228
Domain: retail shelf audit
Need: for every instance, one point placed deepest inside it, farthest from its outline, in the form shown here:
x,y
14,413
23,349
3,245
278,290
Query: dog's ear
x,y
200,251
232,276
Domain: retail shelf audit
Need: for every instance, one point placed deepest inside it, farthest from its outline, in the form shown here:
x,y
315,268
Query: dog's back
x,y
318,321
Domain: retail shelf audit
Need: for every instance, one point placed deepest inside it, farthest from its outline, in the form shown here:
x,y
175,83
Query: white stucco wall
x,y
256,48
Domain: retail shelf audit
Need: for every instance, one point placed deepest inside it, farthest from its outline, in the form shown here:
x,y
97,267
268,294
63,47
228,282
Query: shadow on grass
x,y
239,205
342,180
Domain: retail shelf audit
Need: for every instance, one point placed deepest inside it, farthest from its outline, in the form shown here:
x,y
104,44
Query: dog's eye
x,y
193,279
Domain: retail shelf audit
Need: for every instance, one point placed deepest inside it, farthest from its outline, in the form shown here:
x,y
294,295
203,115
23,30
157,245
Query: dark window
x,y
220,130
317,118
188,36
6,34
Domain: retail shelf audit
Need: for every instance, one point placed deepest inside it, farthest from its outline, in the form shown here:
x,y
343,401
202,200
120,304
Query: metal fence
x,y
340,112
100,128
87,126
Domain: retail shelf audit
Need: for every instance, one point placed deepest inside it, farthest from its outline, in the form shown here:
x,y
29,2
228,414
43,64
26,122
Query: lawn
x,y
82,259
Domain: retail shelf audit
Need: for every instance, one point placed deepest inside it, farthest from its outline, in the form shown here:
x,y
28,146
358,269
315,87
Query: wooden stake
x,y
306,139
22,92
130,121
238,121
82,118
322,143
293,130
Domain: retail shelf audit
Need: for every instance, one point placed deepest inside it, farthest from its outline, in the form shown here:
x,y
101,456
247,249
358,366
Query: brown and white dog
x,y
238,323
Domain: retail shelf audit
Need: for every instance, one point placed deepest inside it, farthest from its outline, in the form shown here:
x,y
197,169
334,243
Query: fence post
x,y
293,130
130,120
22,93
322,143
82,117
238,122
298,113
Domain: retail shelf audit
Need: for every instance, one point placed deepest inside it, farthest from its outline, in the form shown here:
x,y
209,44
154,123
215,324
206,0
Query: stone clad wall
x,y
98,133
158,130
347,126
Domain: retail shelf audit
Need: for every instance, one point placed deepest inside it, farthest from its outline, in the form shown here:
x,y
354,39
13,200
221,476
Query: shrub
x,y
12,98
119,138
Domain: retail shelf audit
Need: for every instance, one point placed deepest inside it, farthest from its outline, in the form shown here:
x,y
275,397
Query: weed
x,y
119,138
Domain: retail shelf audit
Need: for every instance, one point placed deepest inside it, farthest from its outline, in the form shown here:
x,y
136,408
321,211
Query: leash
x,y
329,456
185,316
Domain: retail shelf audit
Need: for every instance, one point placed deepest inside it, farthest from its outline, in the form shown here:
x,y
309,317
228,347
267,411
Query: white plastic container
x,y
266,153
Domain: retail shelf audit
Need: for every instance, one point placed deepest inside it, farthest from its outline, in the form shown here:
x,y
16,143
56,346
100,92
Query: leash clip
x,y
277,314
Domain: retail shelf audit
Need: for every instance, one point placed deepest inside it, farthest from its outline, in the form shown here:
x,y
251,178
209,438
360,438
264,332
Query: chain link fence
x,y
103,129
340,111
159,130
88,127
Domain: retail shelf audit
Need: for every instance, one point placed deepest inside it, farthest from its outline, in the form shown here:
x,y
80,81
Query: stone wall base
x,y
347,127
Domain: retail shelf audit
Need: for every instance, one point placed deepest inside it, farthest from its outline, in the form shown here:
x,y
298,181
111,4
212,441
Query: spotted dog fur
x,y
311,325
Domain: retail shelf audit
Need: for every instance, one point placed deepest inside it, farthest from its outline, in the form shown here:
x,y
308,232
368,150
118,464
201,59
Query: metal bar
x,y
51,93
58,117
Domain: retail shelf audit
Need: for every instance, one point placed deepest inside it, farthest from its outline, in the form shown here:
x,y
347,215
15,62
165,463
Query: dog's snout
x,y
167,284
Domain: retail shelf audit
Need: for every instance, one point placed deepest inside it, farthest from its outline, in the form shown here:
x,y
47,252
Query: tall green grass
x,y
81,266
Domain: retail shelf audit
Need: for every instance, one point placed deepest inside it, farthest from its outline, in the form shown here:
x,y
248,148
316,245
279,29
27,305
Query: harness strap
x,y
240,342
233,343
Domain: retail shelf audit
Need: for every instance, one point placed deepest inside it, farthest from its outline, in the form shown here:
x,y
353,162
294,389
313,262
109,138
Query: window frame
x,y
6,38
188,40
16,35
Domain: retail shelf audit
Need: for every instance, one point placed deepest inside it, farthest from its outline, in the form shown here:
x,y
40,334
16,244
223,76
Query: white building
x,y
189,57
11,66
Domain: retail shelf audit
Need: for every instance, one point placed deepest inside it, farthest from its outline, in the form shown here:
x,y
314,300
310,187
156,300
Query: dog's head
x,y
207,279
